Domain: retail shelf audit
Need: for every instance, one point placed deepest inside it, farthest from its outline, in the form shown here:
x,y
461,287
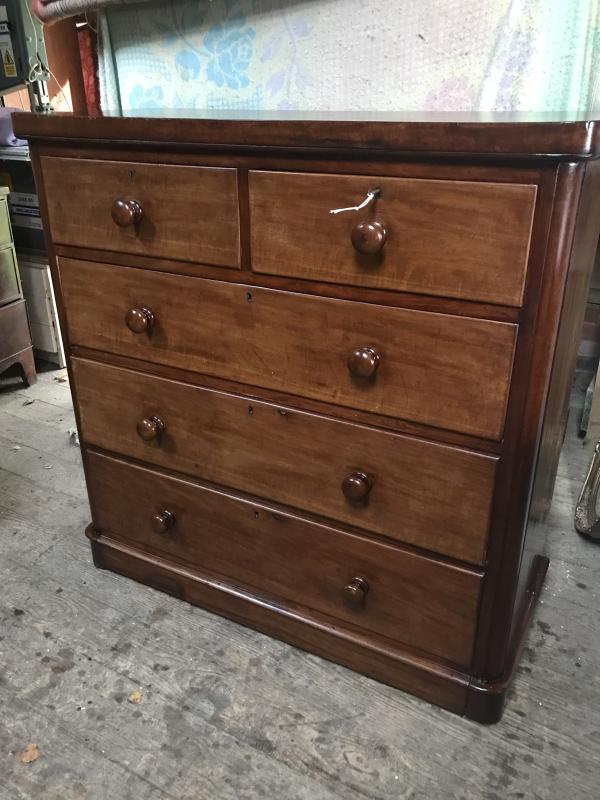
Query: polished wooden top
x,y
529,135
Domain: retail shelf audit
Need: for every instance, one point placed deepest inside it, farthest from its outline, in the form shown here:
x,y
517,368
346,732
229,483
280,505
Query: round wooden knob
x,y
150,428
162,521
363,362
126,213
356,487
139,320
355,592
368,238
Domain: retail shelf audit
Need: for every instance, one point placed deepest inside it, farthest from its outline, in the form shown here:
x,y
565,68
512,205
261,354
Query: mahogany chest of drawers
x,y
315,365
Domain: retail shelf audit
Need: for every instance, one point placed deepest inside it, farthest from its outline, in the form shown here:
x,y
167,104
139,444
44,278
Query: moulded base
x,y
380,659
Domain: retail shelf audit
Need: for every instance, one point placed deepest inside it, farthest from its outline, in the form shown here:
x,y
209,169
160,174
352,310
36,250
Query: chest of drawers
x,y
334,427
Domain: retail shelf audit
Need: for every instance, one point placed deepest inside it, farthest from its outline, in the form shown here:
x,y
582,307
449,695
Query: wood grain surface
x,y
450,238
448,372
188,213
461,134
429,495
423,603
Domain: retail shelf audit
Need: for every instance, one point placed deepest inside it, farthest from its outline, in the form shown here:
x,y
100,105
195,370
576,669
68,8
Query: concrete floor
x,y
228,714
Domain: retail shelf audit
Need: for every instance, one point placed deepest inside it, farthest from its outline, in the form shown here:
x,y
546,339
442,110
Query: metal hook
x,y
372,194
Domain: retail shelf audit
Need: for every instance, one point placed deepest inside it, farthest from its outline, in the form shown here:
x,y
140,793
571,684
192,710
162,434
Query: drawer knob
x,y
150,428
368,238
356,487
126,212
355,592
139,320
163,521
363,362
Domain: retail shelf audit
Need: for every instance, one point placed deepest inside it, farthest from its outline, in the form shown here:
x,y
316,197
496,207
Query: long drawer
x,y
443,237
385,590
427,494
179,212
445,371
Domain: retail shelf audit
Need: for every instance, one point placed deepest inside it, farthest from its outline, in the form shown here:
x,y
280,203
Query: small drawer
x,y
440,370
431,495
450,238
387,591
179,212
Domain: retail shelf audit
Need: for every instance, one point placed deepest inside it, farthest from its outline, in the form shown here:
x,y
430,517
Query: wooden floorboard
x,y
228,713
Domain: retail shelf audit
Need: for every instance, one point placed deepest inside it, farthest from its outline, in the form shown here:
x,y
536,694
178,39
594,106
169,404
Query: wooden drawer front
x,y
449,238
10,285
430,495
187,213
450,372
14,329
412,599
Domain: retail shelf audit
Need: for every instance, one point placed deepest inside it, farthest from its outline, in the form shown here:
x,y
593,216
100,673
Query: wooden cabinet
x,y
326,425
15,339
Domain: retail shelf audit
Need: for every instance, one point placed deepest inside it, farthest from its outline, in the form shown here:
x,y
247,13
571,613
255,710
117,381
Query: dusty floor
x,y
228,714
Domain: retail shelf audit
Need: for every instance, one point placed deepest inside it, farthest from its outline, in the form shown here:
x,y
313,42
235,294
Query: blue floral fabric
x,y
530,55
230,46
